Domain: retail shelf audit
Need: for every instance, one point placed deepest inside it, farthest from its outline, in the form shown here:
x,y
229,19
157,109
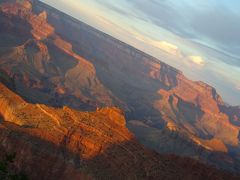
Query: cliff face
x,y
153,91
47,63
43,65
52,143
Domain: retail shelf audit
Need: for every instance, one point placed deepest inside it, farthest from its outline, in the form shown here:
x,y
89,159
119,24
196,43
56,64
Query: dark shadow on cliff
x,y
43,81
120,67
42,159
13,31
233,113
1,118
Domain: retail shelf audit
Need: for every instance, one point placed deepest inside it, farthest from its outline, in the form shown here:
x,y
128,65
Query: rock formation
x,y
62,143
47,63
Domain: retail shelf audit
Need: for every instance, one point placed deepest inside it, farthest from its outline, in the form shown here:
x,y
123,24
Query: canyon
x,y
62,143
80,67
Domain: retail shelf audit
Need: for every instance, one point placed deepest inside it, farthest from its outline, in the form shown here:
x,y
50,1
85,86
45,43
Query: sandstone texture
x,y
48,57
62,143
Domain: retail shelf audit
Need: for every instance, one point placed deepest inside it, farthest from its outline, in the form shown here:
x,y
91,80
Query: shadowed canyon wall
x,y
83,68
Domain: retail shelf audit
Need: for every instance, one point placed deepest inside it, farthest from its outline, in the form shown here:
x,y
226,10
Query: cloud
x,y
198,60
162,45
114,7
197,37
195,61
215,23
165,45
218,27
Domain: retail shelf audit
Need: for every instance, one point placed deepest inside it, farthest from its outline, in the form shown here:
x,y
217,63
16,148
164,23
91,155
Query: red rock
x,y
63,143
49,70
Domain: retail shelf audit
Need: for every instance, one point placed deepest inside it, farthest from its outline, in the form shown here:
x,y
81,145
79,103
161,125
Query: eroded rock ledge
x,y
61,143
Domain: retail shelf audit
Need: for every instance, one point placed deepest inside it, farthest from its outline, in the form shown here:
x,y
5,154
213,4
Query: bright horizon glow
x,y
199,38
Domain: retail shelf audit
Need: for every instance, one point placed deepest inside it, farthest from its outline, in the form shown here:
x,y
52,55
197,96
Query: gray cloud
x,y
216,25
220,26
113,8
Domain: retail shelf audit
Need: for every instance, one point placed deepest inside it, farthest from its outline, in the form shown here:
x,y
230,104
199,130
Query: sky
x,y
200,38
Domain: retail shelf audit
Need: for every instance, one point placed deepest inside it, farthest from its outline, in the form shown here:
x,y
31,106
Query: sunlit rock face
x,y
64,143
45,68
50,58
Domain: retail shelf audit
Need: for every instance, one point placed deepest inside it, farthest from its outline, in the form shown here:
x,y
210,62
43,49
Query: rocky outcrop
x,y
45,68
62,143
84,68
193,107
41,29
233,113
18,8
